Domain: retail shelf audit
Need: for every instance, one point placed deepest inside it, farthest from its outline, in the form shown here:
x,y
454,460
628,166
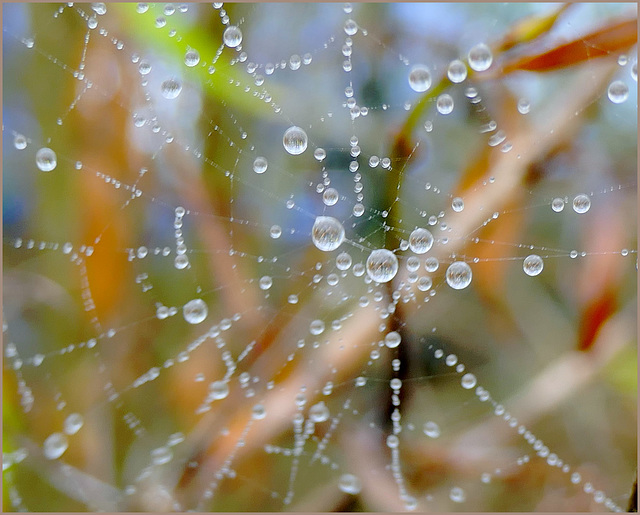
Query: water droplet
x,y
343,261
358,210
275,232
533,265
181,261
557,204
232,36
218,390
144,67
327,233
350,27
195,311
480,57
382,265
73,423
424,283
457,71
420,240
316,327
413,263
523,106
458,275
295,62
46,159
295,140
392,339
161,455
170,89
258,412
457,204
260,164
20,142
319,153
420,78
330,196
55,446
431,264
457,494
444,104
319,412
581,203
393,442
349,484
634,71
468,381
431,429
265,282
618,92
191,58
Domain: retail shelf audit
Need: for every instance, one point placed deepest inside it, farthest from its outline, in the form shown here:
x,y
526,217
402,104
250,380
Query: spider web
x,y
192,315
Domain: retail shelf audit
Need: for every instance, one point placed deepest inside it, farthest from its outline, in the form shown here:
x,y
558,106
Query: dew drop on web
x,y
382,265
480,57
459,275
46,159
420,78
327,233
295,140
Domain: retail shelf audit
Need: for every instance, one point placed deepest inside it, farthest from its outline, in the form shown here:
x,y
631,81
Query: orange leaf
x,y
606,41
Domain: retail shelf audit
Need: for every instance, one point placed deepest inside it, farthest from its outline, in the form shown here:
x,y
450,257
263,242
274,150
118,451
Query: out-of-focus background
x,y
280,398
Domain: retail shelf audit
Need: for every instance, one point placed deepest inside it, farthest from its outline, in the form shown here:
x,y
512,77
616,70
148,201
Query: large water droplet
x,y
457,71
265,282
533,265
444,104
382,265
55,446
327,233
316,327
20,142
468,381
191,58
392,339
457,204
457,494
260,164
170,89
46,159
458,275
431,429
295,140
195,311
581,203
480,57
420,78
161,455
557,204
258,412
319,412
73,423
420,240
350,27
343,261
618,92
330,196
218,390
349,484
232,36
